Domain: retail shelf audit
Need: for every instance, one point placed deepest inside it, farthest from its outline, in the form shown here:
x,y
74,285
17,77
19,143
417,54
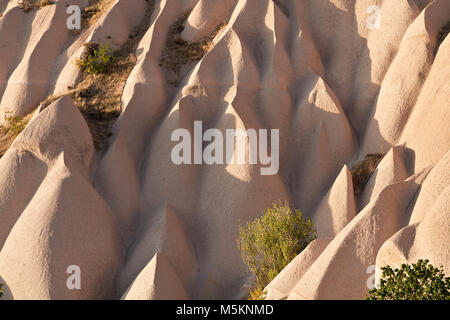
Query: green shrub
x,y
96,58
269,243
421,281
1,290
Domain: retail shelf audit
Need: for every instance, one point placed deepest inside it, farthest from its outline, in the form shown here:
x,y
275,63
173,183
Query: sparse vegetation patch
x,y
15,124
179,53
29,5
269,243
363,170
282,7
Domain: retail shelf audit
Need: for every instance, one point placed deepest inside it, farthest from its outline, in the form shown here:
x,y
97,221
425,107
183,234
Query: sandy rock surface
x,y
139,226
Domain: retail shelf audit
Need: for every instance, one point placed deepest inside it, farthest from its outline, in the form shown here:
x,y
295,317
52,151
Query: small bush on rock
x,y
420,281
269,243
443,33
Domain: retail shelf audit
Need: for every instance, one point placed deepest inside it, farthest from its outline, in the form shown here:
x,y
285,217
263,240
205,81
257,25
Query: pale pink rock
x,y
27,83
112,28
157,281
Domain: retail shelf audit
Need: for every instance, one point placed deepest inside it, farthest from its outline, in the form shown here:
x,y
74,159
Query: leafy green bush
x,y
269,243
96,58
443,33
28,5
1,290
421,281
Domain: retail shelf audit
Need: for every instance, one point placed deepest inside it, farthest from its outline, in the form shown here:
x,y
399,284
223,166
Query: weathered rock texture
x,y
140,227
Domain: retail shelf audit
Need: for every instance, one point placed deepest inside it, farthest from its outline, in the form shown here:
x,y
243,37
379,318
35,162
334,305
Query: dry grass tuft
x,y
179,53
363,170
98,96
97,59
195,91
29,5
92,13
